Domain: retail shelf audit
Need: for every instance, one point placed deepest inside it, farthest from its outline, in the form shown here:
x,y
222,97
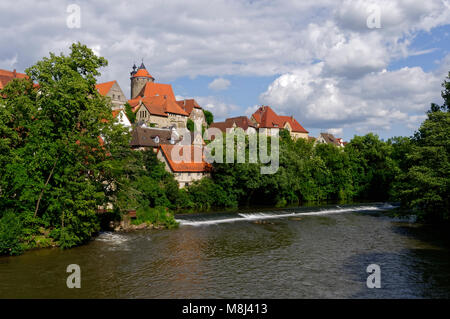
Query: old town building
x,y
268,122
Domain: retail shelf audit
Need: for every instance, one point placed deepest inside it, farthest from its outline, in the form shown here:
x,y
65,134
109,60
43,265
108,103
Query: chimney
x,y
14,73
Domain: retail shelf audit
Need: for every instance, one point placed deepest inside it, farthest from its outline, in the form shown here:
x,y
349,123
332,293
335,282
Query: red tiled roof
x,y
267,118
191,166
158,89
295,126
158,105
6,76
240,121
103,88
142,73
188,105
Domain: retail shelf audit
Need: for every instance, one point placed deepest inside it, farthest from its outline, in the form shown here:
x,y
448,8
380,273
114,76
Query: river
x,y
306,252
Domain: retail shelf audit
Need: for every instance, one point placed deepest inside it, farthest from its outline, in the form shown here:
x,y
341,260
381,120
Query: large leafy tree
x,y
425,184
60,150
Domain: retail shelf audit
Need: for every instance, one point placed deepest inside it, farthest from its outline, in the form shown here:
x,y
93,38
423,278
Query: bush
x,y
10,235
156,216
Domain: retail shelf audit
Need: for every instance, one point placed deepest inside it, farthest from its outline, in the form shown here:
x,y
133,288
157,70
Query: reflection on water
x,y
290,253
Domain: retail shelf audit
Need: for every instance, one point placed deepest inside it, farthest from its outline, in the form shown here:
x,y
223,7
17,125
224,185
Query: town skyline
x,y
321,63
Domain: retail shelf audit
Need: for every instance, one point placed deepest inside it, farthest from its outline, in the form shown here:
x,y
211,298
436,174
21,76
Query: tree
x,y
61,150
425,184
190,125
209,117
129,112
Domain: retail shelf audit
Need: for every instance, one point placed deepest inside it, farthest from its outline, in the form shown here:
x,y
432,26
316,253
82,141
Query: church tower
x,y
138,79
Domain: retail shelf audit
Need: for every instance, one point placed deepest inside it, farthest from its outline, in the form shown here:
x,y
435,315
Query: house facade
x,y
269,123
113,91
185,162
194,110
121,117
327,138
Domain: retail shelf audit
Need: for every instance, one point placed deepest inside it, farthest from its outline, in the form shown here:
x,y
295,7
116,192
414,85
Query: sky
x,y
345,67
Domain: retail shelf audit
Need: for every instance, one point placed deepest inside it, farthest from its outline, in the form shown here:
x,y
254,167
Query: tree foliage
x,y
59,148
209,117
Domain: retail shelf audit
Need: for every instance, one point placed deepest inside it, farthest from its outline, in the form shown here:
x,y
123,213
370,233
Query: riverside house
x,y
185,172
269,122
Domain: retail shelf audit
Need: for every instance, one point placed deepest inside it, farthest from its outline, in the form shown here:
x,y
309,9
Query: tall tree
x,y
61,148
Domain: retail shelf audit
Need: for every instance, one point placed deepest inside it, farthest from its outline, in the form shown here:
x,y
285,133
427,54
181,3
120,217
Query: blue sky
x,y
317,60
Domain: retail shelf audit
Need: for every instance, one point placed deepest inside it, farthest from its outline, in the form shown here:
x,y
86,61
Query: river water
x,y
314,252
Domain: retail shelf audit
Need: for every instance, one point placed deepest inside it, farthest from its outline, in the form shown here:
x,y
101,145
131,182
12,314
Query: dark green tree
x,y
59,148
209,117
129,112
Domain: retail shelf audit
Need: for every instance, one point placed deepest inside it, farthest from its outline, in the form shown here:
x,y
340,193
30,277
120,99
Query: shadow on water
x,y
420,271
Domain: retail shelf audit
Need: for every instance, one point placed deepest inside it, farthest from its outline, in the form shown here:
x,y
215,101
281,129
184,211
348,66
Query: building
x,y
154,103
185,172
112,90
6,76
267,121
194,110
143,138
232,123
330,139
122,117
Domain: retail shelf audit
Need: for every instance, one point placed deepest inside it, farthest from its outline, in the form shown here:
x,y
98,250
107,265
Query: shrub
x,y
10,234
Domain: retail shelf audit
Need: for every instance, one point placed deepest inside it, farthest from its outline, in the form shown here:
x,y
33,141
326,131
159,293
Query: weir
x,y
213,219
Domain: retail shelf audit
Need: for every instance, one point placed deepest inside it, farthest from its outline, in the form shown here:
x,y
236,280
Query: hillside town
x,y
160,120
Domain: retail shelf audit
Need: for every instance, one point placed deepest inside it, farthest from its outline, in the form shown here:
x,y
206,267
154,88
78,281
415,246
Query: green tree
x,y
129,112
190,125
425,184
61,148
209,117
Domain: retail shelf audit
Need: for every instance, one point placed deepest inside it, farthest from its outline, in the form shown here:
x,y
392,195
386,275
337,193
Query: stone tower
x,y
138,79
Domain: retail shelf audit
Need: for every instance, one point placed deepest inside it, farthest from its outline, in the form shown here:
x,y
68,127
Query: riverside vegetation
x,y
62,156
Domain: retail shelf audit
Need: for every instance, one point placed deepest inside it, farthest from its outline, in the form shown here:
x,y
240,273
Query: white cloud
x,y
337,132
220,109
329,64
375,102
219,84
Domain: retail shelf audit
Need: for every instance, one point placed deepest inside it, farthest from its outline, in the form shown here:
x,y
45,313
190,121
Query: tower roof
x,y
141,72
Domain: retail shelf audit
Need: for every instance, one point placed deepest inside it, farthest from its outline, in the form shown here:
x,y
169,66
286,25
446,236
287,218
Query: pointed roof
x,y
103,88
157,105
267,118
188,105
142,72
240,121
295,126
